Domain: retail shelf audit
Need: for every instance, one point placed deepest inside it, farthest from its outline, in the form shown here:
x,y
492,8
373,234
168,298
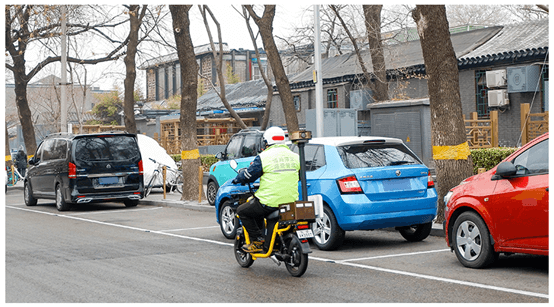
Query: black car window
x,y
60,149
48,150
376,155
38,153
106,148
314,156
534,160
233,147
250,146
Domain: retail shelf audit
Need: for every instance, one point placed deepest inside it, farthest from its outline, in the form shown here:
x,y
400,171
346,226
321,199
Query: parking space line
x,y
429,277
394,255
183,229
115,211
448,280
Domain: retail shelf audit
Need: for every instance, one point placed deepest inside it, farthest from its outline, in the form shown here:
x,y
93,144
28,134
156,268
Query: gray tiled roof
x,y
240,95
396,56
515,37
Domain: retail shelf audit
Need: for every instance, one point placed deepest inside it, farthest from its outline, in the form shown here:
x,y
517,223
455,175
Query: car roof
x,y
351,140
67,135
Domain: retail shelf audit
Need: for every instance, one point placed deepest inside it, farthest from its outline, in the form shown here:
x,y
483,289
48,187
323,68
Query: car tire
x,y
228,220
211,192
327,233
61,205
416,233
472,242
28,195
130,203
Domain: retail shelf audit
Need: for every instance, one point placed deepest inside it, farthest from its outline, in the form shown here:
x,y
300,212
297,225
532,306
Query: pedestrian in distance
x,y
21,161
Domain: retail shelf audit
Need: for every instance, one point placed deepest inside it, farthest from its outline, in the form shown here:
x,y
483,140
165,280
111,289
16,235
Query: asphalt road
x,y
106,253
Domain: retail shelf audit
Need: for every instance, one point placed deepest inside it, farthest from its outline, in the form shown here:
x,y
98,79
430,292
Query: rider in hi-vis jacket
x,y
277,167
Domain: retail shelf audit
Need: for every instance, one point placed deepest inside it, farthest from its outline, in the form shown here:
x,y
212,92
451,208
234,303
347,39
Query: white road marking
x,y
114,211
395,255
429,277
194,228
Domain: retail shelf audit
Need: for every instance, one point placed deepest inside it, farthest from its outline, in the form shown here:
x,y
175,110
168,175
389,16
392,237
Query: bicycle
x,y
13,177
174,179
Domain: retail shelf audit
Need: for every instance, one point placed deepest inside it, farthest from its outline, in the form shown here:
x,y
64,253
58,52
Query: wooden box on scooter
x,y
299,210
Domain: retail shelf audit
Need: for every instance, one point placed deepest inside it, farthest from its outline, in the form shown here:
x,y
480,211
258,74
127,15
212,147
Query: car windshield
x,y
376,155
107,148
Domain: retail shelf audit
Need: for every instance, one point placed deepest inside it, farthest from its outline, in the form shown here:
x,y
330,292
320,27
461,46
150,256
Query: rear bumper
x,y
356,212
91,198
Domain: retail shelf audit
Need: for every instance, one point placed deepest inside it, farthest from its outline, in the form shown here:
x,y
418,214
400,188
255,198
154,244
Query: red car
x,y
502,210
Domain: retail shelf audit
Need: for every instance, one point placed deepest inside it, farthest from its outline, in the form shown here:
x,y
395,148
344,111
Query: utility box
x,y
336,122
523,79
360,99
408,120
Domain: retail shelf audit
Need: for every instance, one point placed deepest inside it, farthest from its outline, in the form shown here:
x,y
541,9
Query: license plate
x,y
305,234
108,180
396,185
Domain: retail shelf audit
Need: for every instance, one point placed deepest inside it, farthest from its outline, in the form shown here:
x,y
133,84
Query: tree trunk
x,y
447,125
268,84
189,69
372,14
265,24
130,68
23,110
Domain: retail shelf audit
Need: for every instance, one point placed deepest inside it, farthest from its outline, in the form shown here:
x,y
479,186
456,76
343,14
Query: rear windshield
x,y
107,148
373,155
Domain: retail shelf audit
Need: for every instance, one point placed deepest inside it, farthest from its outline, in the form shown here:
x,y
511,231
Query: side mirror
x,y
506,169
233,164
219,156
33,161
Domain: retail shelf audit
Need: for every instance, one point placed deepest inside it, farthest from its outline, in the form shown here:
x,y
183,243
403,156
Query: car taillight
x,y
430,182
349,185
72,171
141,170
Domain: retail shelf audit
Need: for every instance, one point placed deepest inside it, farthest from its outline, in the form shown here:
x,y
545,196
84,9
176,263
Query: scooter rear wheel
x,y
298,263
243,258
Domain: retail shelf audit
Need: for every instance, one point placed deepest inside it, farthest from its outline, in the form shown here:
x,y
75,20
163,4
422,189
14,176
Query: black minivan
x,y
84,168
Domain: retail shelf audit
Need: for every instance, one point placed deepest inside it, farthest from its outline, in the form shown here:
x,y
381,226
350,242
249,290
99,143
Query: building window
x,y
481,99
332,99
296,100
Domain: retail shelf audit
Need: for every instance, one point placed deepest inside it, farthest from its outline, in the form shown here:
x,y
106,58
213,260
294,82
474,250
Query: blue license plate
x,y
108,180
396,185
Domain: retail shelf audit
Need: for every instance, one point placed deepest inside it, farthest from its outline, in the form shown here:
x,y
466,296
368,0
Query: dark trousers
x,y
252,215
22,171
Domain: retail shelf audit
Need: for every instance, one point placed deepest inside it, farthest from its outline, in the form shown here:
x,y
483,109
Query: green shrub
x,y
206,160
489,157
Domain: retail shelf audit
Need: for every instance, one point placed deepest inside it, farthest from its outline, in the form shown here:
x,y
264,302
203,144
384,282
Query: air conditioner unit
x,y
498,98
523,78
496,78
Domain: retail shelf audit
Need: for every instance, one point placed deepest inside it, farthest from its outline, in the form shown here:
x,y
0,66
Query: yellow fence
x,y
482,133
532,124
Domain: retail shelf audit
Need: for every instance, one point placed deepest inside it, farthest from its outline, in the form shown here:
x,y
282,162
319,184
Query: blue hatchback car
x,y
366,183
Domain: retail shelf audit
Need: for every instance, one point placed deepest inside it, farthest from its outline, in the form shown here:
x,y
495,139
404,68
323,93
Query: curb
x,y
191,205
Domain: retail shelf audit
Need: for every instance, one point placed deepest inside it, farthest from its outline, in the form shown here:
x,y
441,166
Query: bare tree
x,y
268,84
135,20
218,57
189,67
26,24
447,125
372,14
265,25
